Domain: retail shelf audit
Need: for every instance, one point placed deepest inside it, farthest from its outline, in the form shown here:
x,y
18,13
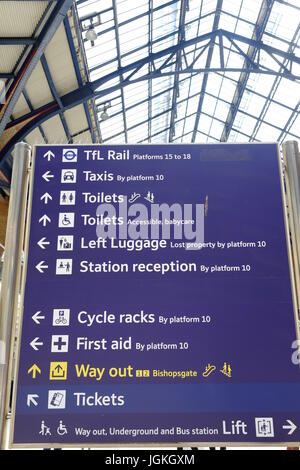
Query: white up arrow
x,y
47,176
31,400
46,198
35,343
44,220
42,243
41,267
49,155
291,427
37,317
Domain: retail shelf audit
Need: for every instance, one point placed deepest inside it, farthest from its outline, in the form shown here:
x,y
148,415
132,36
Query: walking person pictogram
x,y
45,430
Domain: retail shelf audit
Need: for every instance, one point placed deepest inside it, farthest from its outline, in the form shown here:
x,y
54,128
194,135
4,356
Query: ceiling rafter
x,y
259,30
208,64
181,37
117,34
270,97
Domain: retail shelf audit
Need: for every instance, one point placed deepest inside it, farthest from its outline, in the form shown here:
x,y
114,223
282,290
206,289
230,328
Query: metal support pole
x,y
292,164
11,272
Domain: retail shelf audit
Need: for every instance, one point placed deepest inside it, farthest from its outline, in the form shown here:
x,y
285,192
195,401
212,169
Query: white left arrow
x,y
291,427
41,267
47,176
43,243
37,317
35,343
31,400
46,198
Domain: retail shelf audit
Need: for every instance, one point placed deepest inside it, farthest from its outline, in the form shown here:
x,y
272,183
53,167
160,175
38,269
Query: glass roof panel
x,y
184,104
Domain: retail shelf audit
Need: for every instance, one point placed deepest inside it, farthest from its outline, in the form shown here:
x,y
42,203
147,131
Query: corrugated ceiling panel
x,y
60,63
76,119
35,138
38,89
20,18
21,108
54,131
9,56
84,138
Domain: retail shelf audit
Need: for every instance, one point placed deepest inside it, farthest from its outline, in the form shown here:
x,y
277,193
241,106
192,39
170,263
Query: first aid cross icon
x,y
60,343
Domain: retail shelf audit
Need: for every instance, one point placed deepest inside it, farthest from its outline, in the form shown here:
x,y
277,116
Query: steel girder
x,y
150,84
17,41
260,27
270,97
181,37
117,34
56,97
211,47
77,70
6,76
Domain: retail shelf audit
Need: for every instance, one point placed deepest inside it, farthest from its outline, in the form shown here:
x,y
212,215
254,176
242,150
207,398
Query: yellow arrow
x,y
34,370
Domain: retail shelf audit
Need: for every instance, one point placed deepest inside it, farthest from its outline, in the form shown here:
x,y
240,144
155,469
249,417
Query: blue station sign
x,y
159,305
